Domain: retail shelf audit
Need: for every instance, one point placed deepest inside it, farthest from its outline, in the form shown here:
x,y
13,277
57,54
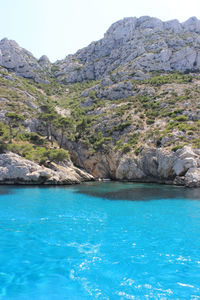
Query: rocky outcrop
x,y
192,177
22,62
45,62
186,159
113,91
151,165
16,170
158,165
133,48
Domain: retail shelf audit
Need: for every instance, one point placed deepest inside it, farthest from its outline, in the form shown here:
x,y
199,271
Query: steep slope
x,y
126,107
22,62
24,130
131,48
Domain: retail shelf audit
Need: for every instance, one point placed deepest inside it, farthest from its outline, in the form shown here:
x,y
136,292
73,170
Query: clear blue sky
x,y
60,27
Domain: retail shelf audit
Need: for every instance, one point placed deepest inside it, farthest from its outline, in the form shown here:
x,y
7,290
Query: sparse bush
x,y
181,119
57,155
126,148
150,121
175,148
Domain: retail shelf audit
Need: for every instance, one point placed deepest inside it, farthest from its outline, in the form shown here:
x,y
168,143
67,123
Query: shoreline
x,y
15,170
99,180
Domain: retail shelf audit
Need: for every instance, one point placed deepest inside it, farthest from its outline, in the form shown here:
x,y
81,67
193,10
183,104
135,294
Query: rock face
x,y
192,177
131,48
158,165
22,62
152,165
16,170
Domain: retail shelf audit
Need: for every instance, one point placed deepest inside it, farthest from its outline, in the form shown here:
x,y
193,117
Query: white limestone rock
x,y
15,169
192,24
173,26
19,60
186,159
128,170
192,177
160,165
133,45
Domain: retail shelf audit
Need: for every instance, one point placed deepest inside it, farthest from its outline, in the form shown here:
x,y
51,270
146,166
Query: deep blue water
x,y
99,241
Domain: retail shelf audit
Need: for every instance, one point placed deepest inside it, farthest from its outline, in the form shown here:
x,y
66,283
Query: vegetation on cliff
x,y
107,101
163,112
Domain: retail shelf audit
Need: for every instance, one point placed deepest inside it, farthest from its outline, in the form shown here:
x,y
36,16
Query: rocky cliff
x,y
134,47
16,170
131,48
126,107
22,62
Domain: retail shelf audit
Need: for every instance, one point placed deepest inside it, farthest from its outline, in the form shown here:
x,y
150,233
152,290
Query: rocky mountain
x,y
126,107
132,48
22,62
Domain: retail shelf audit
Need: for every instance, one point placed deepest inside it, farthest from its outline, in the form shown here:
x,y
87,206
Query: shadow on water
x,y
118,190
6,190
137,191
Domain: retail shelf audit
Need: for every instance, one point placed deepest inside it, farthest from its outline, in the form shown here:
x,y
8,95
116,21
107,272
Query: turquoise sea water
x,y
99,241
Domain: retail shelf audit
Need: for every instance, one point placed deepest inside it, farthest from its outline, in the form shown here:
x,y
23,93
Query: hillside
x,y
126,107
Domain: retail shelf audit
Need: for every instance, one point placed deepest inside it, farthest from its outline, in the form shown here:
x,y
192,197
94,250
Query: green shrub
x,y
197,143
150,121
38,154
34,138
138,150
57,155
2,128
142,116
92,94
126,148
54,69
121,126
175,148
3,147
181,118
133,139
170,78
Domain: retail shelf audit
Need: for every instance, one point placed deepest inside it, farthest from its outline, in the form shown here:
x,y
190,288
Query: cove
x,y
99,241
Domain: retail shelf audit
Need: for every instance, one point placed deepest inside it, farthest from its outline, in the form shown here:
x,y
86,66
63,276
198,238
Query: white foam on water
x,y
184,284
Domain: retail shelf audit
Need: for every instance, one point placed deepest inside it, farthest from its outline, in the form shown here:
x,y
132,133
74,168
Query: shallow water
x,y
99,241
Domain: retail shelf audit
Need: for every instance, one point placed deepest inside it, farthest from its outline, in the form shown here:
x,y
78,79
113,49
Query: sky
x,y
57,28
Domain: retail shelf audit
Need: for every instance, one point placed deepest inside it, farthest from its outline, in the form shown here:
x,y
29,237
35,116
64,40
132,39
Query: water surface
x,y
99,241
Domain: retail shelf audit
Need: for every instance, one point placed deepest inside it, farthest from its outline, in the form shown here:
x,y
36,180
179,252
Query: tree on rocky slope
x,y
66,126
82,126
48,118
13,120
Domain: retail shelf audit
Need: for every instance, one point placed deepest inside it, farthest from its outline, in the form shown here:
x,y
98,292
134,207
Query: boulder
x,y
128,170
15,169
186,159
192,177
